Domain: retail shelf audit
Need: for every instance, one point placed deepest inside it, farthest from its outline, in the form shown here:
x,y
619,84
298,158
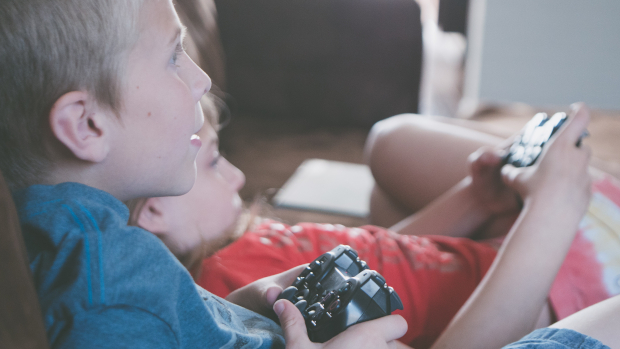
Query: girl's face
x,y
209,210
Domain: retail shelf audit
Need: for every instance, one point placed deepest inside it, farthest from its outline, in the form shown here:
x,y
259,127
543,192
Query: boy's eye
x,y
175,56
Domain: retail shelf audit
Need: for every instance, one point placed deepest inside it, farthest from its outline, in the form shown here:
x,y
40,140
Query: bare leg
x,y
414,159
600,321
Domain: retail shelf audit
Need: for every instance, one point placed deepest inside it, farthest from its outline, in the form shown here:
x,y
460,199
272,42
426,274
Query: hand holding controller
x,y
337,290
536,133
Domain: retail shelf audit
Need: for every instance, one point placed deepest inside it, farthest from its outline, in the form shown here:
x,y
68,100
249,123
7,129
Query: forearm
x,y
506,304
455,213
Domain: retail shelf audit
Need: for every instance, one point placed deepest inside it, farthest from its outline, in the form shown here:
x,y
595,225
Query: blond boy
x,y
99,104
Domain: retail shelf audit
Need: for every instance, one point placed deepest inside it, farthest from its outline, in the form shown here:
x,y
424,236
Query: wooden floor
x,y
269,150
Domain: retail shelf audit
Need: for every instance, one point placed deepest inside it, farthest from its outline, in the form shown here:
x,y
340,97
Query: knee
x,y
385,134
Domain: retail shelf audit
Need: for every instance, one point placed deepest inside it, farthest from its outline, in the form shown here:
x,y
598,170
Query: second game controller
x,y
529,144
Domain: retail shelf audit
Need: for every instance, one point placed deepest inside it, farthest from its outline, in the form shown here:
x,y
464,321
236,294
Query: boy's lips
x,y
195,141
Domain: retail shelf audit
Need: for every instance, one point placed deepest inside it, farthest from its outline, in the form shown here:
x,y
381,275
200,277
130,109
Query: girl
x,y
434,275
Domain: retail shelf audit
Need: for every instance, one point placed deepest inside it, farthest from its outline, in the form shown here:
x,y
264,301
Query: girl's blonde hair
x,y
49,48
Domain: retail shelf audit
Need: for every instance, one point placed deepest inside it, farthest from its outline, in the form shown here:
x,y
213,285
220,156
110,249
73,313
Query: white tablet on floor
x,y
328,186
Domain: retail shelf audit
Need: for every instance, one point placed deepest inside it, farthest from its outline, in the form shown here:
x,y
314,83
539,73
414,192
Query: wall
x,y
544,52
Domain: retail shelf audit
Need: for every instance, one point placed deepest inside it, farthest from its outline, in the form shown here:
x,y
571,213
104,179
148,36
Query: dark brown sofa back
x,y
333,61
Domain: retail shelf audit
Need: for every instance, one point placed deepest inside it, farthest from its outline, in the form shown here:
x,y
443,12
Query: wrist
x,y
555,211
562,202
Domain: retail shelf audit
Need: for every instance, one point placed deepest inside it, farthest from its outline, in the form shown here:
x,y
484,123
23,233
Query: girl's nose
x,y
233,175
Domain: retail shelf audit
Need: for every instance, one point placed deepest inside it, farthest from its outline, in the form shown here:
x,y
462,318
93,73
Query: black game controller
x,y
337,290
536,133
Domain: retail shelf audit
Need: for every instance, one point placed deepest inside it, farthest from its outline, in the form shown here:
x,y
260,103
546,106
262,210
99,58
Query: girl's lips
x,y
195,141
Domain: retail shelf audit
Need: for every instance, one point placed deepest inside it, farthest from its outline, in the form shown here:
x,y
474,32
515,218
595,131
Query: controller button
x,y
518,153
344,289
302,305
314,266
298,281
315,311
302,294
317,316
333,306
315,307
310,277
289,294
329,297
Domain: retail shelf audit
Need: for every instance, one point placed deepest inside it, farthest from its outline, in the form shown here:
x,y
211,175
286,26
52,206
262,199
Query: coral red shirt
x,y
433,275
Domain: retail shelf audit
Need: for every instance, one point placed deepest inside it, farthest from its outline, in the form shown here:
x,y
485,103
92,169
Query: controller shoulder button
x,y
395,302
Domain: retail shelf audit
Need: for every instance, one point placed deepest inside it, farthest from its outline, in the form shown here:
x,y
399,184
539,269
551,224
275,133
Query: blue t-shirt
x,y
103,284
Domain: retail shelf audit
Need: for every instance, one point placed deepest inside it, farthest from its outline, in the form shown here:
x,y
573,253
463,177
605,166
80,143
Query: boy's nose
x,y
201,82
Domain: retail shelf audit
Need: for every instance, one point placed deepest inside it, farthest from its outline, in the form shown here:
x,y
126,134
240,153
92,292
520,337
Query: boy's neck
x,y
94,175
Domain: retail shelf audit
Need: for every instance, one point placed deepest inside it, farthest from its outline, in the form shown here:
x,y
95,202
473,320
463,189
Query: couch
x,y
350,62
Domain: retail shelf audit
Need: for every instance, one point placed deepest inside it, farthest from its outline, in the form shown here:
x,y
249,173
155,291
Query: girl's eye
x,y
216,158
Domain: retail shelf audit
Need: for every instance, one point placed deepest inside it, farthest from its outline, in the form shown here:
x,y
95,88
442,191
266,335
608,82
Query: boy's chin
x,y
183,184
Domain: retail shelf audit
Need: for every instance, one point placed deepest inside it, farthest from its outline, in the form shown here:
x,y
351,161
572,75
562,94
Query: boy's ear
x,y
78,123
151,217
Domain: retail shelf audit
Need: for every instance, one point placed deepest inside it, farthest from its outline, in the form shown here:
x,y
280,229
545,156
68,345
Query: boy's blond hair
x,y
49,48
